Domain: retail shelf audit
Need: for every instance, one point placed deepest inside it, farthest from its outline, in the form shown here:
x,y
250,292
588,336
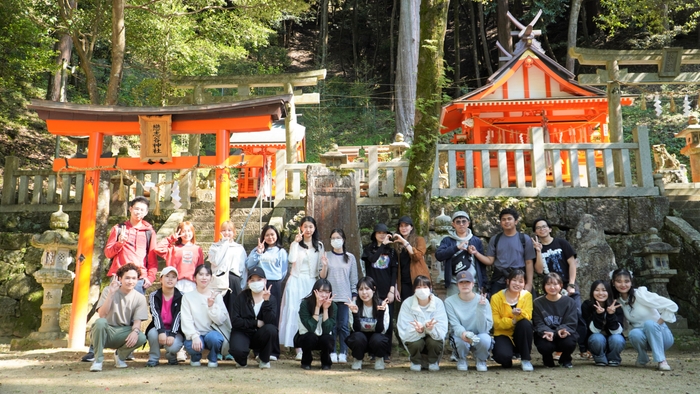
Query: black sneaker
x,y
567,365
88,358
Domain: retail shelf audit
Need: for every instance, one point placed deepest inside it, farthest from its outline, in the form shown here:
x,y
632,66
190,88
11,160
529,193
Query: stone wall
x,y
20,295
684,288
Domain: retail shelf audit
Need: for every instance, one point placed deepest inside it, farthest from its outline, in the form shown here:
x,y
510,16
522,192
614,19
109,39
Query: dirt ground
x,y
59,371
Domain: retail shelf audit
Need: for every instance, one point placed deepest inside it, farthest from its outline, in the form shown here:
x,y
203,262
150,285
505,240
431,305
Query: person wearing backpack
x,y
457,252
508,250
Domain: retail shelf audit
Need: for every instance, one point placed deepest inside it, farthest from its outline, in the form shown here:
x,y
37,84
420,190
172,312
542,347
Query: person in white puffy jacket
x,y
647,313
422,325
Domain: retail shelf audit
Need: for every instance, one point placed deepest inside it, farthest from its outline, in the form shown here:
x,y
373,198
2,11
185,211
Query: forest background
x,y
126,53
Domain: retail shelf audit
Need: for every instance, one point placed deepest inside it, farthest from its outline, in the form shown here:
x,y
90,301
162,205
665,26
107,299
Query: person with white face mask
x,y
340,268
422,325
253,320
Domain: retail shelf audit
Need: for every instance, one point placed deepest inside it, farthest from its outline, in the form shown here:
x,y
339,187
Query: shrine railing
x,y
535,169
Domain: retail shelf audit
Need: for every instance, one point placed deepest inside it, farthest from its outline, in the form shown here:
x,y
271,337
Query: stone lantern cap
x,y
656,246
443,223
57,236
334,157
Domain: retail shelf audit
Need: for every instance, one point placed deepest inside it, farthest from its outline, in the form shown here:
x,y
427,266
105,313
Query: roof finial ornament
x,y
527,34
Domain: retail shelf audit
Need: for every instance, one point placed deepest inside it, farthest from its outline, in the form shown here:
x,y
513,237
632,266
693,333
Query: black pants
x,y
260,342
503,347
564,345
376,343
310,342
277,292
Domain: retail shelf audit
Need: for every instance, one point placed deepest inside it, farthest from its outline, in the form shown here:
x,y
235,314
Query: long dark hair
x,y
370,283
321,284
608,288
411,238
623,272
340,232
314,236
278,243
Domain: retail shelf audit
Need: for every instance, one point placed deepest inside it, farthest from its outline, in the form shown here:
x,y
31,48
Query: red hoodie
x,y
133,250
185,258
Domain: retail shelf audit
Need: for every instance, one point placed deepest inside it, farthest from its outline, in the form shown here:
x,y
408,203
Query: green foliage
x,y
347,115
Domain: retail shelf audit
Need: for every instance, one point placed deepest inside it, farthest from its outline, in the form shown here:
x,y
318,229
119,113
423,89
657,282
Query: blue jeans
x,y
212,341
342,330
481,349
652,336
606,349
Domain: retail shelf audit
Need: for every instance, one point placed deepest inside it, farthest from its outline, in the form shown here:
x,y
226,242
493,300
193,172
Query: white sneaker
x,y
415,367
212,365
481,366
433,367
357,365
96,367
342,358
462,365
263,365
334,358
182,355
663,366
379,364
526,365
299,355
118,361
273,358
195,363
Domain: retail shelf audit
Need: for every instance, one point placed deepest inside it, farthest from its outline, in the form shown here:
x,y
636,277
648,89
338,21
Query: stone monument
x,y
331,200
595,257
57,244
441,225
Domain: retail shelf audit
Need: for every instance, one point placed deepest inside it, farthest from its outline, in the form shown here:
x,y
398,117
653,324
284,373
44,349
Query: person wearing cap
x,y
164,329
457,252
254,320
471,320
410,249
381,265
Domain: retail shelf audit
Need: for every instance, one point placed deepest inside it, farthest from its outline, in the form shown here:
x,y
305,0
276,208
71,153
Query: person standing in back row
x,y
508,250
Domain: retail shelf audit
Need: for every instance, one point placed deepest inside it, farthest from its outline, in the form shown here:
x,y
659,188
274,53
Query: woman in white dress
x,y
304,259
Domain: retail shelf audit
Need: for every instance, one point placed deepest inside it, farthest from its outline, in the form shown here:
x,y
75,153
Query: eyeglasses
x,y
541,228
461,222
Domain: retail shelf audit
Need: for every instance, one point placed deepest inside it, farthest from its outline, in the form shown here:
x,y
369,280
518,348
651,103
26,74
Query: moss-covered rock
x,y
14,241
32,260
29,316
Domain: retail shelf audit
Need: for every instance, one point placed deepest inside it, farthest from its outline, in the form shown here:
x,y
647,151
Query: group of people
x,y
237,303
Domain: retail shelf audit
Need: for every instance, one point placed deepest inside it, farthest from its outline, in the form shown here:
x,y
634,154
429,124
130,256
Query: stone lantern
x,y
442,225
334,158
691,135
57,244
657,273
398,147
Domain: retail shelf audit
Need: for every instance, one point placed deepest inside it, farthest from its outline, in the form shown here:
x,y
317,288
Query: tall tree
x,y
455,37
419,181
572,33
407,67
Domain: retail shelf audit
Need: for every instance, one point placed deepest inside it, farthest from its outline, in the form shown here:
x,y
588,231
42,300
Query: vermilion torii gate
x,y
67,120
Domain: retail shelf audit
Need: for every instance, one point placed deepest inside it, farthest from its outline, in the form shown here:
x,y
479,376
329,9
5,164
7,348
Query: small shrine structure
x,y
529,90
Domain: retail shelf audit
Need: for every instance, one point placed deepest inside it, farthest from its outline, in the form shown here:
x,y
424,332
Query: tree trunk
x,y
475,40
392,54
419,182
572,33
64,47
323,33
407,67
118,49
355,59
584,24
548,46
484,41
503,25
458,59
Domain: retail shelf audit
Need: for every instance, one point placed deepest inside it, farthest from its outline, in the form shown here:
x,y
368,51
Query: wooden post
x,y
645,178
539,166
86,241
223,183
373,178
289,122
9,182
281,176
615,114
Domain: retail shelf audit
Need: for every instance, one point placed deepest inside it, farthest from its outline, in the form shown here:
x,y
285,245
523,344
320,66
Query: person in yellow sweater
x,y
512,325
